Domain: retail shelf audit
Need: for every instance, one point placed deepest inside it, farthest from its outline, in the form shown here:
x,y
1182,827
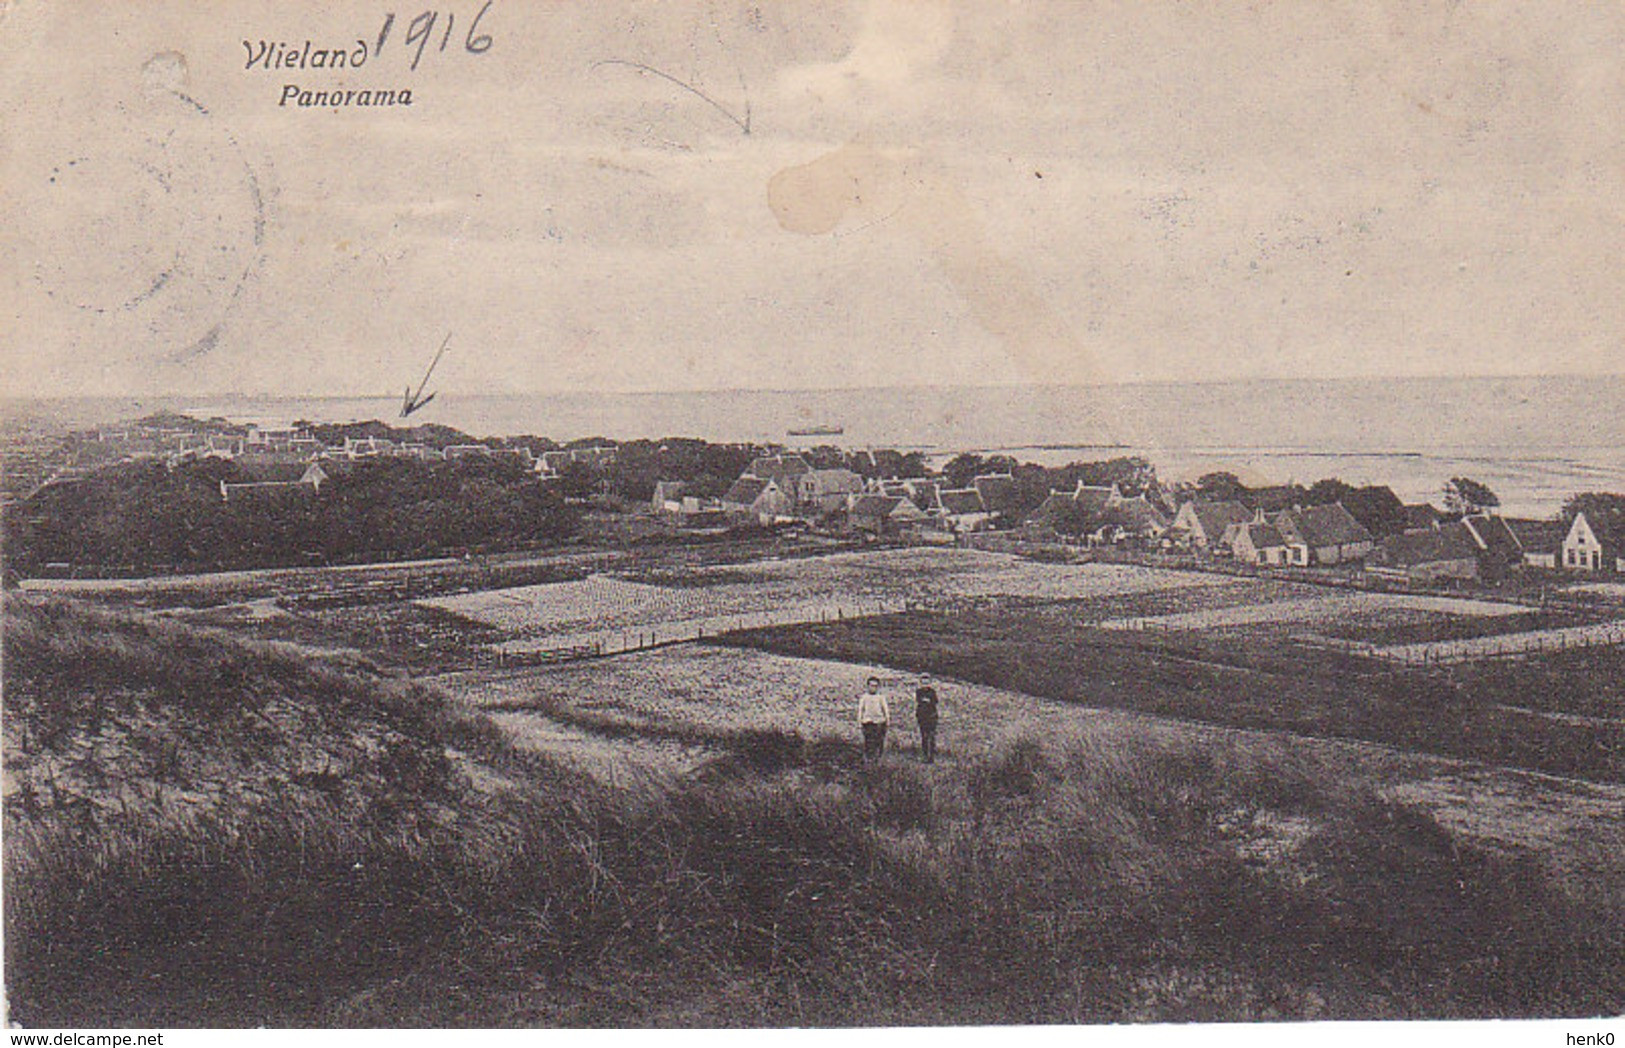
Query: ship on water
x,y
818,431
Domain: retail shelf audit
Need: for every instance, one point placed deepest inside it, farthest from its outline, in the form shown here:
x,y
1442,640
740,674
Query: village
x,y
881,496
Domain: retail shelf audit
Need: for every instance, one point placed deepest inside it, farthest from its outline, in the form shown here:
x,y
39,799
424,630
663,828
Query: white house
x,y
1587,547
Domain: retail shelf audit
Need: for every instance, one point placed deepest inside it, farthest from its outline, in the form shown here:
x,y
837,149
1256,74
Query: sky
x,y
716,195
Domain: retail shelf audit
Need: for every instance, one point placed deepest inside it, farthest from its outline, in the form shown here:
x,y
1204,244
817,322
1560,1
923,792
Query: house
x,y
1092,501
1256,542
1204,523
668,496
1324,535
454,452
1589,546
1540,540
754,496
1425,555
278,436
1137,519
1499,550
1275,498
596,456
363,447
421,452
552,463
783,470
1335,536
1377,509
1292,536
923,491
519,455
884,514
998,493
1080,511
275,479
221,445
1420,515
822,491
261,457
961,509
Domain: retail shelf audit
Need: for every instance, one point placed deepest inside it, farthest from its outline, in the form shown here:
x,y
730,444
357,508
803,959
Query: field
x,y
1327,608
1220,818
682,708
1213,678
832,581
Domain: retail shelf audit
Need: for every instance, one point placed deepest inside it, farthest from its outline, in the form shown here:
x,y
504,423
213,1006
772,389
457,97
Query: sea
x,y
1533,440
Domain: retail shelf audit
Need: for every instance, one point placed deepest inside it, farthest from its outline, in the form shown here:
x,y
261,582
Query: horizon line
x,y
895,387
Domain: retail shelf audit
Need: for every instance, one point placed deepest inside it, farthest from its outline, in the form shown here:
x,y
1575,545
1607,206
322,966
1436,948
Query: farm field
x,y
842,583
1233,679
1463,649
1332,607
706,696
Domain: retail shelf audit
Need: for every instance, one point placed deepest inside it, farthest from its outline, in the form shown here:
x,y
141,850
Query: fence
x,y
1505,645
605,643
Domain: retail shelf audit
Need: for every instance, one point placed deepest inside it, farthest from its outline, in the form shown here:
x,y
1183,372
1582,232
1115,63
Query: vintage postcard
x,y
878,513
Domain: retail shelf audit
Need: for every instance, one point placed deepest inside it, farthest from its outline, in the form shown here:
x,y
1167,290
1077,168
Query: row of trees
x,y
143,514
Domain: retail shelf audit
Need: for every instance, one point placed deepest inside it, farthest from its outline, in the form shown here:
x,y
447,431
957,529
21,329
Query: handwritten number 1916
x,y
422,27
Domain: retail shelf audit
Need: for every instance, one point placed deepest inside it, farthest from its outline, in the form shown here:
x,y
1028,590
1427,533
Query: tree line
x,y
146,515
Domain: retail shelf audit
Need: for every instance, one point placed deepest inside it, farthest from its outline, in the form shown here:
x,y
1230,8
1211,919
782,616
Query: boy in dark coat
x,y
925,714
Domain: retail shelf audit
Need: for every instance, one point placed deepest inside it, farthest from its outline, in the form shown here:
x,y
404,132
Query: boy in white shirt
x,y
874,714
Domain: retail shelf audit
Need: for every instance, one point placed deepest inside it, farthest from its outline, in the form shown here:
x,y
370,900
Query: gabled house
x,y
1540,540
762,499
668,496
1130,520
1275,498
221,445
273,480
272,435
1203,524
597,456
1499,550
1377,509
1323,535
923,491
1420,515
1334,536
883,514
961,509
1589,546
1081,511
823,491
258,459
364,447
1447,551
1292,537
1256,543
1092,501
784,470
998,493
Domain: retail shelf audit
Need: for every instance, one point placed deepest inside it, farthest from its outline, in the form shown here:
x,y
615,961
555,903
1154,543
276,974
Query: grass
x,y
1123,876
1236,680
1043,883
